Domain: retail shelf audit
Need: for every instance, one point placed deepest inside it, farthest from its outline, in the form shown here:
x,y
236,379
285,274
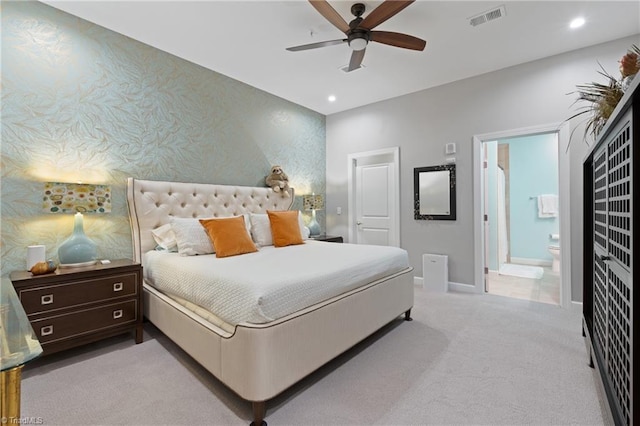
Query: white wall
x,y
422,123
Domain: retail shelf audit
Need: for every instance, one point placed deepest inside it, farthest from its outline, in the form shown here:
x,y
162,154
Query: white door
x,y
374,204
373,198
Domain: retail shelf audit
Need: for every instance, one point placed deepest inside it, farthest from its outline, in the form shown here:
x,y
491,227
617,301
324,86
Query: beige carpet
x,y
465,359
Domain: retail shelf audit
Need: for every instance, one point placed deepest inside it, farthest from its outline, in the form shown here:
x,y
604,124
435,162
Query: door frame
x,y
391,156
563,132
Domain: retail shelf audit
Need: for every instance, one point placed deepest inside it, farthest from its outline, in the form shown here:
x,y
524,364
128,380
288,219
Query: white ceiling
x,y
246,40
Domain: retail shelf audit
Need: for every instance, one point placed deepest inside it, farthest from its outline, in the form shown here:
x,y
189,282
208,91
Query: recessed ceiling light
x,y
331,98
576,23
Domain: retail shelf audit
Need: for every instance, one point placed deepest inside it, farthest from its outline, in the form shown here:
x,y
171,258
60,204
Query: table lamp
x,y
78,250
312,203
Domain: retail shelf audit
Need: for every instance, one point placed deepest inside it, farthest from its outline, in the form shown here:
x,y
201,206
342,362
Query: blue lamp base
x,y
313,225
77,250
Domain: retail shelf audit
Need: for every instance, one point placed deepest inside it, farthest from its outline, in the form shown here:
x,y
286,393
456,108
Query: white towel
x,y
547,205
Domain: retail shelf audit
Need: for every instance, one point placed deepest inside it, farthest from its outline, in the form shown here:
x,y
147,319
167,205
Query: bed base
x,y
259,361
260,407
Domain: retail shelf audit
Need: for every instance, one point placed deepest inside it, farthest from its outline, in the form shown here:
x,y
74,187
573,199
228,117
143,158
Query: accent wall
x,y
81,103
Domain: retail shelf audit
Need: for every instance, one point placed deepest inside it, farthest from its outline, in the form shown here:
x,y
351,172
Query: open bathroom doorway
x,y
521,193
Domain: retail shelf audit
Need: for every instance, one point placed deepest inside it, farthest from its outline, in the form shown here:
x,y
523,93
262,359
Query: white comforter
x,y
273,282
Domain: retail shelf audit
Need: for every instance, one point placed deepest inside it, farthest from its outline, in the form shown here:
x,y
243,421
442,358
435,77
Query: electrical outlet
x,y
338,210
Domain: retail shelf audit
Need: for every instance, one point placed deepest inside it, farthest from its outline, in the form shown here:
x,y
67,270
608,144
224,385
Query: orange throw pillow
x,y
285,228
229,236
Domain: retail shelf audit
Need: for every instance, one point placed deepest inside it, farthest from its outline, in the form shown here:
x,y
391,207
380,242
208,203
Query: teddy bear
x,y
278,181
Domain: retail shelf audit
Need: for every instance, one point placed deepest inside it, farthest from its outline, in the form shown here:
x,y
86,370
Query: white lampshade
x,y
358,44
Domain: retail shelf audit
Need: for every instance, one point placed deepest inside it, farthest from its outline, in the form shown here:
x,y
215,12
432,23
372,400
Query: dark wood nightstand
x,y
328,238
74,306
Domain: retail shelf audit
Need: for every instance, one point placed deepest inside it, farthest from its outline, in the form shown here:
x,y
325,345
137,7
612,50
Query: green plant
x,y
602,98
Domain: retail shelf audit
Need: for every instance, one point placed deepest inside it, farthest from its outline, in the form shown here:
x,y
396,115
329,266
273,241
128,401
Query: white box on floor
x,y
435,272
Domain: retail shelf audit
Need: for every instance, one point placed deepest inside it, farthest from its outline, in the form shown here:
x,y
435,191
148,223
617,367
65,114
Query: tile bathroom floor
x,y
545,289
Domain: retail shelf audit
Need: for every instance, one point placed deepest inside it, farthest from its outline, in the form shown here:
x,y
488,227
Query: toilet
x,y
554,249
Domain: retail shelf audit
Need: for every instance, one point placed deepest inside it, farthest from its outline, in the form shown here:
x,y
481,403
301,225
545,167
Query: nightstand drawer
x,y
75,324
52,297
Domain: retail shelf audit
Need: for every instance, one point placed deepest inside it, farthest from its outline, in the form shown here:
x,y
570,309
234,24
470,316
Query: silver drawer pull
x,y
117,286
47,330
117,314
47,299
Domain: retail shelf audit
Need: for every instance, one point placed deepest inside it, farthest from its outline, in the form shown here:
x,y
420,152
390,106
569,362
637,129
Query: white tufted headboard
x,y
153,203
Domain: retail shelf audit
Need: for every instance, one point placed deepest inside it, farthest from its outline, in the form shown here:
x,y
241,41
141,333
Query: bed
x,y
261,353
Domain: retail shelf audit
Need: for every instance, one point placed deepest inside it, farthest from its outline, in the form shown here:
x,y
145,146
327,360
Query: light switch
x,y
338,210
450,148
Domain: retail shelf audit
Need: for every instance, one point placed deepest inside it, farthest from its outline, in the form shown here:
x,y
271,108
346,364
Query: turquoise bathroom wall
x,y
83,103
533,164
533,170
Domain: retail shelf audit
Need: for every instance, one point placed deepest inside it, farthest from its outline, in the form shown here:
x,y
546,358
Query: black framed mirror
x,y
434,192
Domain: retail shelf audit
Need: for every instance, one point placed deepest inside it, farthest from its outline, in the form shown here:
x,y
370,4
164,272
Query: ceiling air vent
x,y
489,15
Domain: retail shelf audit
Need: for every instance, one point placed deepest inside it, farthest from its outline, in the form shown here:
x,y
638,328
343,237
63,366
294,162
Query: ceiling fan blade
x,y
356,59
383,12
398,40
330,14
316,45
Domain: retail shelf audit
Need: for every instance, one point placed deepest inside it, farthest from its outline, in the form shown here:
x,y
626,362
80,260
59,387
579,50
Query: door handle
x,y
605,258
358,223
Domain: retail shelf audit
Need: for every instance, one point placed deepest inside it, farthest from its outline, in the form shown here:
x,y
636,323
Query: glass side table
x,y
18,345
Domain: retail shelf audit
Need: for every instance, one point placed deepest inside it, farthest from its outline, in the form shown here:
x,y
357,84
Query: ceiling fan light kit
x,y
360,32
358,41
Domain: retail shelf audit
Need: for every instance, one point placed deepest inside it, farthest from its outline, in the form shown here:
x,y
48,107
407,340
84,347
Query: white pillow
x,y
191,237
306,232
261,229
165,237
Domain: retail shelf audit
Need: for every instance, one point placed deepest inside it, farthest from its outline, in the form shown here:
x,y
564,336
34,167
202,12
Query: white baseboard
x,y
452,286
462,288
576,306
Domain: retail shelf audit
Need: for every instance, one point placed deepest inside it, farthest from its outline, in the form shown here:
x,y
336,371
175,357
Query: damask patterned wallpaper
x,y
82,103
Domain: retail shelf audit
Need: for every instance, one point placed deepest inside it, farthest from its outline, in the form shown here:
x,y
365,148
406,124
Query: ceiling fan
x,y
359,31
